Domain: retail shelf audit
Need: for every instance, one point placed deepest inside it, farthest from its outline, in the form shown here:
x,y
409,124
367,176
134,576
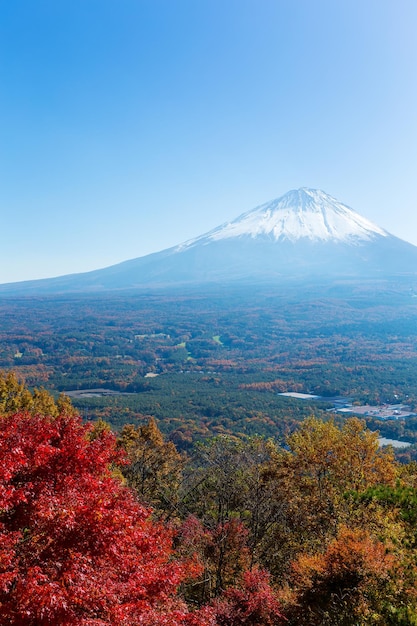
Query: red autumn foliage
x,y
222,552
76,548
253,603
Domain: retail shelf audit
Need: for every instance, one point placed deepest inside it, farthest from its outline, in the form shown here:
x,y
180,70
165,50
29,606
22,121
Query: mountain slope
x,y
300,214
305,234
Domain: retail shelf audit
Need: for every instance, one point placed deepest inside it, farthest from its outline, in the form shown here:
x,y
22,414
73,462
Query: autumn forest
x,y
151,474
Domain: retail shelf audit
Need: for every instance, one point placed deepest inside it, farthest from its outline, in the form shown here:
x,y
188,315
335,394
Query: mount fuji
x,y
300,214
305,234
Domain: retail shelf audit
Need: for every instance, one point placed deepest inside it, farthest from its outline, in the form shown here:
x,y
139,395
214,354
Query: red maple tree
x,y
252,603
76,548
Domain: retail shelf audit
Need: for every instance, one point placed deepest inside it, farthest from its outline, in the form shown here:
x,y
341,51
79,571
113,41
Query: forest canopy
x,y
104,528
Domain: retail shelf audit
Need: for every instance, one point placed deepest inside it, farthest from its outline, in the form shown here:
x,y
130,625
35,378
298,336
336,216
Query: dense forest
x,y
102,528
214,363
152,474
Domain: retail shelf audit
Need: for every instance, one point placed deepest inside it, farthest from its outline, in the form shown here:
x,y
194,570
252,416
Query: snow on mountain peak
x,y
300,213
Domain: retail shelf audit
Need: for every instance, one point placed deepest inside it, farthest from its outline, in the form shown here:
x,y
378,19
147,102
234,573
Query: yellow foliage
x,y
15,398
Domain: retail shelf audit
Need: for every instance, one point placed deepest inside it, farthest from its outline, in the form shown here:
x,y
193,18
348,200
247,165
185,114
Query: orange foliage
x,y
351,576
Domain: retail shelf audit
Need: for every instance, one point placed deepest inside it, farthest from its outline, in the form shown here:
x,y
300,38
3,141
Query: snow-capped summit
x,y
300,213
305,235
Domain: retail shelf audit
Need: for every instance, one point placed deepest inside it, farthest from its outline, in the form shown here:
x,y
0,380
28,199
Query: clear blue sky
x,y
128,126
